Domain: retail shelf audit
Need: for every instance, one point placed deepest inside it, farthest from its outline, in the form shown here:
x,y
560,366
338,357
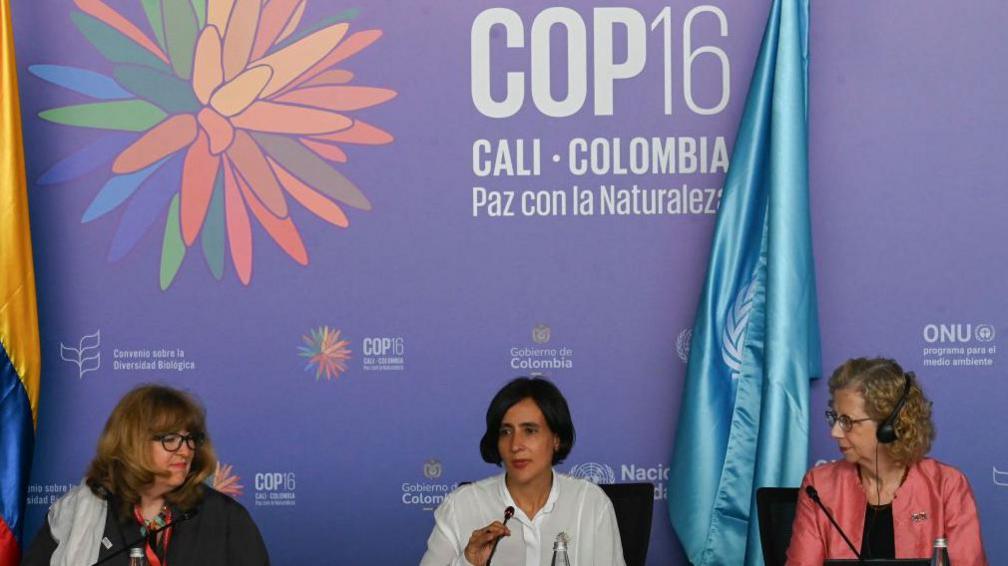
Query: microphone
x,y
508,513
814,495
185,516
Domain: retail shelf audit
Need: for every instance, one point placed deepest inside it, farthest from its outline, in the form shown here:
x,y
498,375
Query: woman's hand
x,y
481,543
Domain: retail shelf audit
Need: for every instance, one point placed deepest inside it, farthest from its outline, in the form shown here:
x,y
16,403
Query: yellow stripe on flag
x,y
18,310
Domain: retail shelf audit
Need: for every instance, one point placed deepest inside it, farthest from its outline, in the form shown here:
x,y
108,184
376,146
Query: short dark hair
x,y
550,401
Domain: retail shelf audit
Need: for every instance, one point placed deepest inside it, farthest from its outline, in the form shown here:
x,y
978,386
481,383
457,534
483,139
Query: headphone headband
x,y
886,431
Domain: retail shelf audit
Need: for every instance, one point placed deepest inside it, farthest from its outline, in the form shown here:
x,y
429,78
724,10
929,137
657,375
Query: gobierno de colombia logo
x,y
215,109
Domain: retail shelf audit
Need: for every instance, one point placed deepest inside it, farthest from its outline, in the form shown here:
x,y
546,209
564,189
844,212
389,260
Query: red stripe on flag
x,y
10,554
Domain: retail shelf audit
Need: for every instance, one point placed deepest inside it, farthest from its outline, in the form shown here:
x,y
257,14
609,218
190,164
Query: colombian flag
x,y
19,336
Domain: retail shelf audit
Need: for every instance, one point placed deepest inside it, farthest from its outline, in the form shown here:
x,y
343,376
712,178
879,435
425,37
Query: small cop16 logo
x,y
275,481
383,346
275,489
327,352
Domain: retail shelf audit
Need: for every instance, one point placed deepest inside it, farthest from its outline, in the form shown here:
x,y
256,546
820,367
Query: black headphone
x,y
886,431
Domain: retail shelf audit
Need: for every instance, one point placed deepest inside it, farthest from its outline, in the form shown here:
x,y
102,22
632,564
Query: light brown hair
x,y
122,466
881,382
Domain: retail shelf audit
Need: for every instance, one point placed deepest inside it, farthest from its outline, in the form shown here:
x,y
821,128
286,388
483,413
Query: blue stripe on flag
x,y
17,436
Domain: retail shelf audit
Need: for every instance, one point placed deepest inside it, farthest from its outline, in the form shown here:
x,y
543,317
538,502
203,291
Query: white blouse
x,y
576,507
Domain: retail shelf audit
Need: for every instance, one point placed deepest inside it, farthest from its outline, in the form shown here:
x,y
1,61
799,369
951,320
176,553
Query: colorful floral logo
x,y
326,353
226,481
228,109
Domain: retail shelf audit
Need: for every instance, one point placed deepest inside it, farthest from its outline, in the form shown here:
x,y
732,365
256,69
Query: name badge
x,y
918,517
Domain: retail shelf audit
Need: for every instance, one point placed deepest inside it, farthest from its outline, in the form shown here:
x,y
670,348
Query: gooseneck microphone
x,y
508,513
814,495
152,535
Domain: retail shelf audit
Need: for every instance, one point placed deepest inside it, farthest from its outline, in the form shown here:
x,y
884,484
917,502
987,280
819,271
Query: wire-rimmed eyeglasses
x,y
846,423
172,442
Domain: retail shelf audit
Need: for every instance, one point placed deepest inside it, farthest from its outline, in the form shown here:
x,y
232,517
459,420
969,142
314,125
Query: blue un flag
x,y
745,405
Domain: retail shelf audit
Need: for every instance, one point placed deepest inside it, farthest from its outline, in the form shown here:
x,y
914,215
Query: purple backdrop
x,y
438,301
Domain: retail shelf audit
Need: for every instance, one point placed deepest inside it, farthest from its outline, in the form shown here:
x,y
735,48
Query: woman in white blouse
x,y
529,429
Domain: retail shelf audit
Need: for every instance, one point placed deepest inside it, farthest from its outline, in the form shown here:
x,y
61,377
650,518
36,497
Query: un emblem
x,y
1000,478
984,332
432,469
594,472
682,344
540,334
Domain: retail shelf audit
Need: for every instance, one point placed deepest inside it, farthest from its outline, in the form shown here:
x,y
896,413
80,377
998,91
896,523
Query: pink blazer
x,y
934,501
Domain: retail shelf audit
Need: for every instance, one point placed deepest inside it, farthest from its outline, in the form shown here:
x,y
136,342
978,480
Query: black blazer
x,y
221,534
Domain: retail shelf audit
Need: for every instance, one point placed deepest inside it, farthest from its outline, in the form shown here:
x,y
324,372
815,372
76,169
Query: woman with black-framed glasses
x,y
888,497
147,480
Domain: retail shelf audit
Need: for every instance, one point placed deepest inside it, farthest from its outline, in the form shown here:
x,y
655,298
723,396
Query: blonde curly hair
x,y
881,382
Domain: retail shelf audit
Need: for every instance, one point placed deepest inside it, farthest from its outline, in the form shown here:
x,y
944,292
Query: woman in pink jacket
x,y
889,499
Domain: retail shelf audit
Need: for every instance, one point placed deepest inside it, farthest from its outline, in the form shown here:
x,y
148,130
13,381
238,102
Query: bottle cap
x,y
136,552
560,544
941,543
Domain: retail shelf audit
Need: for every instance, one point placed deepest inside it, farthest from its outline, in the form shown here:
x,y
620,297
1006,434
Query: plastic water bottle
x,y
560,551
137,557
940,557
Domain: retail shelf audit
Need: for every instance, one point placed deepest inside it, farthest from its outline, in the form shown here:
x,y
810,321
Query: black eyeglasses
x,y
846,423
172,442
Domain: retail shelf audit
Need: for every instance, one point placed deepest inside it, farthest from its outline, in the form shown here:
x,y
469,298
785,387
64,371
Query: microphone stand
x,y
812,493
